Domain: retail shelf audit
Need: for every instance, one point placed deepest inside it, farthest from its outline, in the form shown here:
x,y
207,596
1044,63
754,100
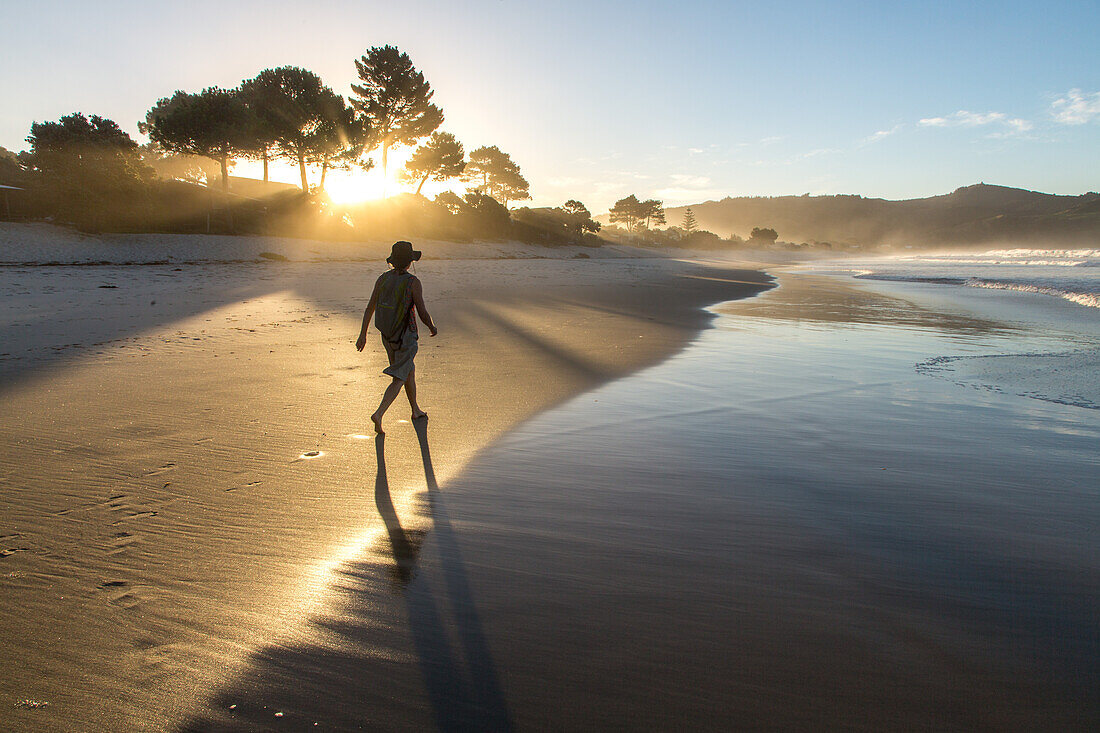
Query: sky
x,y
681,101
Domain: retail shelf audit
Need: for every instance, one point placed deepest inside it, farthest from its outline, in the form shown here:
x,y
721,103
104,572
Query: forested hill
x,y
973,215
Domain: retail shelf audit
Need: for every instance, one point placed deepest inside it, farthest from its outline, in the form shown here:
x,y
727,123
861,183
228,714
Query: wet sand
x,y
786,526
187,476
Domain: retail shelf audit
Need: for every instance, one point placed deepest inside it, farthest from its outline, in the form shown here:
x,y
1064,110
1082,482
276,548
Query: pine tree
x,y
629,211
690,225
304,120
440,158
497,175
213,123
395,99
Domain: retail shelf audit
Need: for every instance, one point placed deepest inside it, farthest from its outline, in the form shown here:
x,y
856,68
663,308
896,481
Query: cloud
x,y
815,153
879,135
690,181
963,118
1076,107
688,189
676,195
1010,126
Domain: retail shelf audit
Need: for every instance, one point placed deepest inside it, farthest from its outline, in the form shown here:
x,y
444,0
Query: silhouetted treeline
x,y
86,171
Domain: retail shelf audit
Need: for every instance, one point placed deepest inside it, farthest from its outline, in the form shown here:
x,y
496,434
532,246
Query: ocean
x,y
1070,274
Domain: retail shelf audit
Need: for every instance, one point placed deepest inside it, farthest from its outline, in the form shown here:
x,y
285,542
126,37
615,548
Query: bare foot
x,y
377,424
419,414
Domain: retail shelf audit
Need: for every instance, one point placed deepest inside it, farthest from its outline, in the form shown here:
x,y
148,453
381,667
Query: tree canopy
x,y
261,135
88,168
637,214
340,140
394,98
496,174
304,120
440,158
626,211
180,166
576,208
582,221
11,172
213,123
764,235
653,212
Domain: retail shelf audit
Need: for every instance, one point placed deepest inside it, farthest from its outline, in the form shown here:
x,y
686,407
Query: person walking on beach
x,y
397,300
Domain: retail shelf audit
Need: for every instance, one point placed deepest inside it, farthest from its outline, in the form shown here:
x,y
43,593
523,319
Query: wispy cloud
x,y
815,153
880,134
688,189
690,181
1076,107
963,118
1009,126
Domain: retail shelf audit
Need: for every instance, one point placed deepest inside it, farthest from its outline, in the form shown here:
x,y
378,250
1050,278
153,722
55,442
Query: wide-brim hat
x,y
403,252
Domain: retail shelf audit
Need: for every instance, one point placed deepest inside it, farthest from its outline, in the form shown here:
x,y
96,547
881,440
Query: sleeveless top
x,y
393,314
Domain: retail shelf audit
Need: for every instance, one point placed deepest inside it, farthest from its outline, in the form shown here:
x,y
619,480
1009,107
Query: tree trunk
x,y
324,172
225,192
265,165
302,171
422,182
385,162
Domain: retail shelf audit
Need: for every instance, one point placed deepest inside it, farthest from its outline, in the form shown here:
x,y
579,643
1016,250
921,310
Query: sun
x,y
356,185
353,187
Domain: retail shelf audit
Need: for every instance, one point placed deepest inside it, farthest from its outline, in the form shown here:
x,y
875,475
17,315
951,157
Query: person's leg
x,y
387,399
410,392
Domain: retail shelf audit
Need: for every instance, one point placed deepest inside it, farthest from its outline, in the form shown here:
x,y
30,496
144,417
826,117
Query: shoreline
x,y
177,504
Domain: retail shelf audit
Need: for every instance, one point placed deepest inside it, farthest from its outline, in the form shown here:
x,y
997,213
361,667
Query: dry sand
x,y
161,516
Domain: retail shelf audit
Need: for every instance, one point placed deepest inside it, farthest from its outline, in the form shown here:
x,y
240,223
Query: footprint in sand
x,y
134,515
120,593
120,542
163,469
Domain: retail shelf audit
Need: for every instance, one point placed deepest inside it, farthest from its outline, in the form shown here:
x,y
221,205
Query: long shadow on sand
x,y
399,650
462,699
69,314
79,309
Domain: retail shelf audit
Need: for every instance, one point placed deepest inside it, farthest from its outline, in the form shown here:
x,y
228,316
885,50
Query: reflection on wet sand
x,y
393,649
825,300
